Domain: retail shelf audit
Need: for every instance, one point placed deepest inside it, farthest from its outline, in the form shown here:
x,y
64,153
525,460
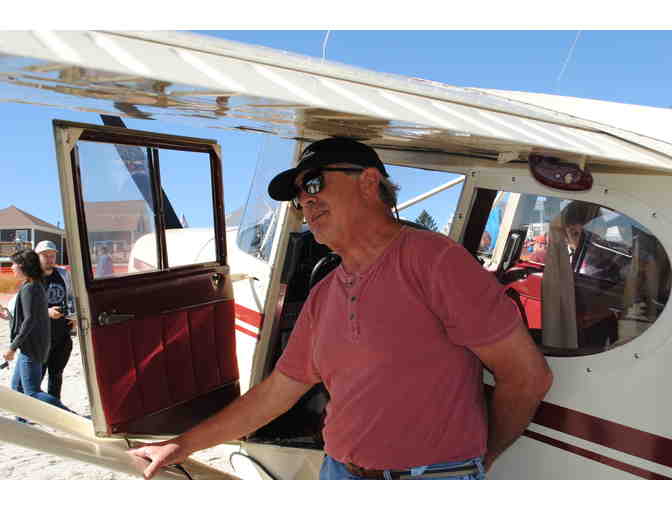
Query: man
x,y
397,334
59,293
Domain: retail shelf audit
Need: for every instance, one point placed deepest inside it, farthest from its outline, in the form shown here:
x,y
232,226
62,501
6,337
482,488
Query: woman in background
x,y
29,329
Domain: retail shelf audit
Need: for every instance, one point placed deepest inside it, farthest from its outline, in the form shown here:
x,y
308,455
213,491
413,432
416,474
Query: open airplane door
x,y
157,335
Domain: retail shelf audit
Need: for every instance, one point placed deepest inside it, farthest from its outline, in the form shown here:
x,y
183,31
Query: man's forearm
x,y
510,411
251,411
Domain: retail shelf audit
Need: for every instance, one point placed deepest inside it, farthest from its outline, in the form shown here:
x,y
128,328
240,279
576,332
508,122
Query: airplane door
x,y
155,307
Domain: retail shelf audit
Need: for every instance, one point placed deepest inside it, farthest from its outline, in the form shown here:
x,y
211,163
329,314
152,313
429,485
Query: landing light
x,y
558,174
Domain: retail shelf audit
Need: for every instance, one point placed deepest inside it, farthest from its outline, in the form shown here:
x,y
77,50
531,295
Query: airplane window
x,y
434,212
118,205
588,278
186,183
257,227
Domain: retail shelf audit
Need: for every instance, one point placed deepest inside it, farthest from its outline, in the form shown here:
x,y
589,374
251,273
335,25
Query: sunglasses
x,y
312,182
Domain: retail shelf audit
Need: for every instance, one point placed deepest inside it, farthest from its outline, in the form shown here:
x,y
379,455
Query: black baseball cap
x,y
321,153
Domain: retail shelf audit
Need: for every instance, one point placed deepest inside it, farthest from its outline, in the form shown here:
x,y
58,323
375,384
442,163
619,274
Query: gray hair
x,y
387,190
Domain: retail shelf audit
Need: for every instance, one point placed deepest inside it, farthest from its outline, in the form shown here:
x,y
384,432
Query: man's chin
x,y
318,234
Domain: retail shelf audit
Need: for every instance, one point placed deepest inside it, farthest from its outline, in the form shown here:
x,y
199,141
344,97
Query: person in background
x,y
486,241
59,292
104,266
30,329
597,323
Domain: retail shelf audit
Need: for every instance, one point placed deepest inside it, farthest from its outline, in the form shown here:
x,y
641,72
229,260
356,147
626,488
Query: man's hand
x,y
9,355
4,313
161,455
55,312
267,400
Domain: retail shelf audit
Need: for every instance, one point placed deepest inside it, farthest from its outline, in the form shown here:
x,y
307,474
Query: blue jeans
x,y
26,379
335,470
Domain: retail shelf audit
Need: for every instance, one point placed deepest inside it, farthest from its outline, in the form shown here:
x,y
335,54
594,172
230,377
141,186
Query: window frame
x,y
152,142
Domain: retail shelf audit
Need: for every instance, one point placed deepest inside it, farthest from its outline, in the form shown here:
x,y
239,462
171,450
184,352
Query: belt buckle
x,y
466,470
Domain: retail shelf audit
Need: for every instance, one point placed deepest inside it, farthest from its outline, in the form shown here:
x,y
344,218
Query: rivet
x,y
636,355
513,179
654,214
473,174
589,370
606,191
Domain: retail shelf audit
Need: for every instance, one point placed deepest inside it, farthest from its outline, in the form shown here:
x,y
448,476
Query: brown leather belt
x,y
379,474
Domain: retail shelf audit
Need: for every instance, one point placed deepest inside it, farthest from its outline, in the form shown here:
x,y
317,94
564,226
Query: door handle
x,y
109,318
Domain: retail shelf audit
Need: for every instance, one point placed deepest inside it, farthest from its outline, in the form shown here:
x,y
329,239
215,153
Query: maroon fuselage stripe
x,y
607,433
642,473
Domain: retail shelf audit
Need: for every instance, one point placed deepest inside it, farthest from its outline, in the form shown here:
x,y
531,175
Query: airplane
x,y
173,337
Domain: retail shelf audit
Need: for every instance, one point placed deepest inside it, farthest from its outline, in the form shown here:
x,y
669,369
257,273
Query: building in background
x,y
18,229
116,225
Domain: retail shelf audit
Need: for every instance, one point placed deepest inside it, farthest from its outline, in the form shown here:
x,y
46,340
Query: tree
x,y
426,219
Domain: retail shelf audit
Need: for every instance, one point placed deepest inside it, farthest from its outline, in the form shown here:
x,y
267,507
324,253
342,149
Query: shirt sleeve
x,y
470,302
297,360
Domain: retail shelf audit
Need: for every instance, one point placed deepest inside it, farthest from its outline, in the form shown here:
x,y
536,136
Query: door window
x,y
132,192
186,181
118,207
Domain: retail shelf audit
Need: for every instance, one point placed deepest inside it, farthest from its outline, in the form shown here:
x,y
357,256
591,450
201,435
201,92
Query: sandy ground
x,y
23,464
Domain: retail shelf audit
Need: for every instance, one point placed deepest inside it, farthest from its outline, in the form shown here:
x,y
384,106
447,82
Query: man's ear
x,y
369,182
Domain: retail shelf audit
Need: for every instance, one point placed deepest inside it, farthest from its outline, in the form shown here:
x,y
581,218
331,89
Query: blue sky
x,y
623,66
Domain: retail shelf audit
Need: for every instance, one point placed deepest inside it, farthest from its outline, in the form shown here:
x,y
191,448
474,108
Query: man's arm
x,y
257,407
522,379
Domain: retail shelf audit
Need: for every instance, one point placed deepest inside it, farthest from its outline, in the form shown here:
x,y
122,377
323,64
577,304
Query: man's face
x,y
329,213
48,260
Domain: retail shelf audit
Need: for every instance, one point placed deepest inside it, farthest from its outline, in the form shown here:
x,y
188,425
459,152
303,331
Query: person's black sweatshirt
x,y
30,327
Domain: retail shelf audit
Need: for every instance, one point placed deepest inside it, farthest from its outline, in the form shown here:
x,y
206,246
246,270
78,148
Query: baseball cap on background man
x,y
321,153
45,246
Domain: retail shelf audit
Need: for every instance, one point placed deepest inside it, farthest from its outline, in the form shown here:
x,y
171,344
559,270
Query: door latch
x,y
109,318
216,280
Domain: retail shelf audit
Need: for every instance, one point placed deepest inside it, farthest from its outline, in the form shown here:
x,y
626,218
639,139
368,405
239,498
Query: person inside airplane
x,y
404,374
583,269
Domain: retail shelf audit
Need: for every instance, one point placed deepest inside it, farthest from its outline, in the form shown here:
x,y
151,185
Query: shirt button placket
x,y
353,317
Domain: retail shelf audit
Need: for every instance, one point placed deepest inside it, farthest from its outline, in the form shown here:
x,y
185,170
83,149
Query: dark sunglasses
x,y
312,182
